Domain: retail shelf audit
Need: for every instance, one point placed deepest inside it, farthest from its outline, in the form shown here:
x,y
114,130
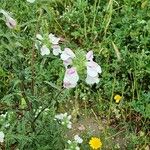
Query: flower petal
x,y
78,139
69,85
71,78
66,54
10,22
69,52
45,50
93,68
67,62
56,50
89,55
53,39
91,80
1,137
39,37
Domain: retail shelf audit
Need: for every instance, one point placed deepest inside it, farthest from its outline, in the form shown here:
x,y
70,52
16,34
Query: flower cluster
x,y
68,57
73,145
48,41
10,22
64,119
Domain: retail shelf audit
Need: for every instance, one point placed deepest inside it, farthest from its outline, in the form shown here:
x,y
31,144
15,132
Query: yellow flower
x,y
117,98
95,143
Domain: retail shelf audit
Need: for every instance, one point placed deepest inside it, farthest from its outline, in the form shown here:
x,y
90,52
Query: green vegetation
x,y
116,110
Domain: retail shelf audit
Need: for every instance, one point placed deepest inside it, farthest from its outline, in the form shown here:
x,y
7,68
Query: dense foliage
x,y
31,85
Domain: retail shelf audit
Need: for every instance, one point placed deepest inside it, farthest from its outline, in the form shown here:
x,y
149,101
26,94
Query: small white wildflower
x,y
69,125
65,115
56,49
69,117
69,142
77,148
45,50
59,116
2,136
78,139
39,37
53,39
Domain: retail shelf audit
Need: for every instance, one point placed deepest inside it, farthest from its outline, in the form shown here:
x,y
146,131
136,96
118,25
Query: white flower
x,y
31,1
65,120
89,55
2,136
69,117
39,36
93,69
59,116
10,22
69,142
44,50
56,50
77,148
69,125
78,139
67,56
92,80
53,39
71,78
67,62
67,53
65,115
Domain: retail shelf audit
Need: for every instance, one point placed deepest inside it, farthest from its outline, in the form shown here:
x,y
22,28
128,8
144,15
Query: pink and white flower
x,y
10,22
67,56
71,78
89,56
93,69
